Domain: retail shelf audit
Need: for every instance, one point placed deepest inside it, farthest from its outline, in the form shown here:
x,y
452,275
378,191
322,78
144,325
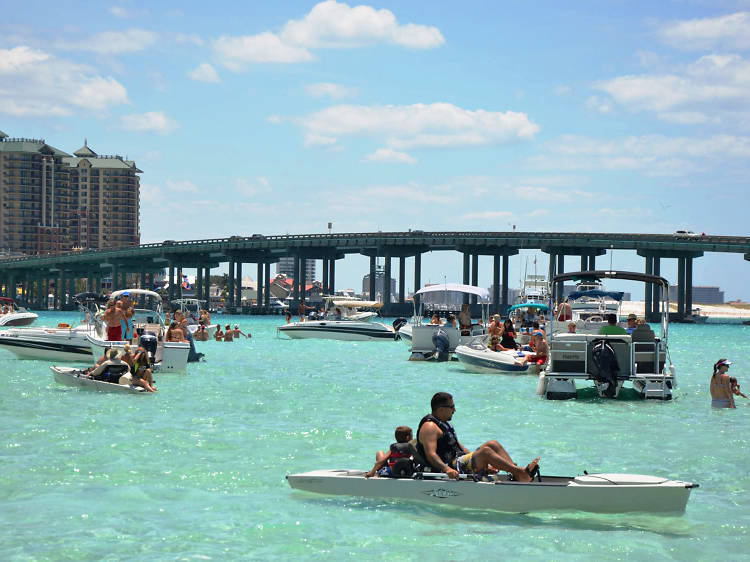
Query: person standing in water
x,y
721,387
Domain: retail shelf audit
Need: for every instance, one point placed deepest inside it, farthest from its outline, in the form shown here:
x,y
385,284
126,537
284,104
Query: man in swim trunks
x,y
439,446
113,317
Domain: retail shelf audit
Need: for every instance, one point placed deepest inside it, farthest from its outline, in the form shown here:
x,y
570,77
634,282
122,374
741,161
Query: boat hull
x,y
51,344
74,377
171,357
343,330
18,319
597,493
488,361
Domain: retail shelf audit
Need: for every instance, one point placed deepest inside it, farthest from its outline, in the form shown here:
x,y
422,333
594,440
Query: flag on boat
x,y
185,282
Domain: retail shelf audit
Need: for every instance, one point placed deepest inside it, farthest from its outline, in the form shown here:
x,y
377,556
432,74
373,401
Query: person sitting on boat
x,y
127,355
302,309
337,314
435,320
495,331
612,329
572,327
219,335
228,333
438,445
111,370
451,321
721,387
113,317
541,350
384,462
174,333
508,339
632,323
464,320
201,334
564,311
204,317
142,374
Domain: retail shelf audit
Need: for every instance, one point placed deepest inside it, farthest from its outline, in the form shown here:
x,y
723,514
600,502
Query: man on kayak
x,y
438,445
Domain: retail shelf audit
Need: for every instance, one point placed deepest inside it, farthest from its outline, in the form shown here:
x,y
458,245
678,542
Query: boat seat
x,y
643,357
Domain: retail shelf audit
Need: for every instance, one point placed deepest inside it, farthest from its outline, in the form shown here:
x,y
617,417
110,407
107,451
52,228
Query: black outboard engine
x,y
148,342
398,323
606,367
441,341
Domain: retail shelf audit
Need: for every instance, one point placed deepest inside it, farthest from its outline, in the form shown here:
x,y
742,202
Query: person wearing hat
x,y
237,332
112,369
721,386
632,318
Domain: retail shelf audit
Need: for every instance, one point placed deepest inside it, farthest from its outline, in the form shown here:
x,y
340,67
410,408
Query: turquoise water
x,y
196,472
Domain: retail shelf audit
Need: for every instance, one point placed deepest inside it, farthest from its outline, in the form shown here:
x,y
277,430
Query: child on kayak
x,y
385,462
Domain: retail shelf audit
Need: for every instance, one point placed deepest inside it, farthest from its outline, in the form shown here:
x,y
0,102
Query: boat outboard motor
x,y
398,323
148,342
441,341
605,363
193,355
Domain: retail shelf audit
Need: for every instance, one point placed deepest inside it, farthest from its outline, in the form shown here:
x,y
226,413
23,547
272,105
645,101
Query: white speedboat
x,y
191,308
598,493
476,357
169,357
13,315
611,360
433,341
76,378
60,343
343,319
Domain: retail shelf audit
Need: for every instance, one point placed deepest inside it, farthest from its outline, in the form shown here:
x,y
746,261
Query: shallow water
x,y
197,470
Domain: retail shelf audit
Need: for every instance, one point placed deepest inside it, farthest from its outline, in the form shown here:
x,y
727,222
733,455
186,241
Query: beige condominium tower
x,y
52,201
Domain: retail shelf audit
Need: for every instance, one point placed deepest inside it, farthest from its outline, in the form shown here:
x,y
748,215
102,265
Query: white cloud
x,y
236,53
114,42
390,155
251,188
124,13
731,31
420,125
712,87
329,24
488,215
35,83
331,90
319,140
204,73
333,24
182,186
156,121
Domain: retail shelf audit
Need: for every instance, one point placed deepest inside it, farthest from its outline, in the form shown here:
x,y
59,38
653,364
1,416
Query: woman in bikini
x,y
721,387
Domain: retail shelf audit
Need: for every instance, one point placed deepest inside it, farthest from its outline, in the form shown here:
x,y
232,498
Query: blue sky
x,y
277,118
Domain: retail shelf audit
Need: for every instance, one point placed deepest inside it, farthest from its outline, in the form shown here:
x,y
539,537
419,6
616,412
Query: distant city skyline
x,y
283,117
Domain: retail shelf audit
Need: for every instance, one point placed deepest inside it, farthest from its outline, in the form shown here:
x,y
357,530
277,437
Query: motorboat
x,y
69,376
439,341
588,306
169,357
191,308
343,319
611,360
13,315
61,343
597,493
535,289
477,357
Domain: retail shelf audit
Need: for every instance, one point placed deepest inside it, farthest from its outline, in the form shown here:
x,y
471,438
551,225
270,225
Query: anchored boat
x,y
611,360
13,315
597,493
344,319
476,357
69,376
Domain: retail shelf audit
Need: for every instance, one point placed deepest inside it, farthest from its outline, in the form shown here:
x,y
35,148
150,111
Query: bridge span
x,y
34,275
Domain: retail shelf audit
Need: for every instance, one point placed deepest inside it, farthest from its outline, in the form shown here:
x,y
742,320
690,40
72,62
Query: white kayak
x,y
598,493
76,377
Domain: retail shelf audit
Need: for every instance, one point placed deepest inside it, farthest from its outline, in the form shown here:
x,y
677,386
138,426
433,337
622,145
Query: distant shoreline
x,y
710,310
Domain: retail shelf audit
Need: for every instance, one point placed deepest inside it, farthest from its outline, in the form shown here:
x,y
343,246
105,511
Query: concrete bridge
x,y
34,274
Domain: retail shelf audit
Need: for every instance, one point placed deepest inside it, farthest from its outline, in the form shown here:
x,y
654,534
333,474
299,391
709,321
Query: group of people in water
x,y
436,448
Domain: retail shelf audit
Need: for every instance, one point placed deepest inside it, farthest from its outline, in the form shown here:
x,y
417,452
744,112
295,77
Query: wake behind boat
x,y
69,376
597,493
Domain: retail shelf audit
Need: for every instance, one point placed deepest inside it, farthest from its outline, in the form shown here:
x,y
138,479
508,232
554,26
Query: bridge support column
x,y
230,284
584,263
295,282
688,286
495,284
592,263
401,279
681,287
506,273
467,258
372,278
474,275
417,272
387,284
303,277
170,281
551,274
259,286
560,271
267,284
238,294
325,275
331,276
207,281
198,283
656,300
649,288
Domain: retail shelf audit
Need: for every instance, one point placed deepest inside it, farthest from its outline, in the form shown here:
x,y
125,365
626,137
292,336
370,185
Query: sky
x,y
280,117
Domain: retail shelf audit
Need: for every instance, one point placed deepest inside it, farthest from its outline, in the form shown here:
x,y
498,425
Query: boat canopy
x,y
6,300
598,275
90,297
596,294
146,292
356,304
537,305
482,293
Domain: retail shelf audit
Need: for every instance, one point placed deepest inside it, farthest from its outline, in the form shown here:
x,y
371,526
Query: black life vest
x,y
399,451
447,444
